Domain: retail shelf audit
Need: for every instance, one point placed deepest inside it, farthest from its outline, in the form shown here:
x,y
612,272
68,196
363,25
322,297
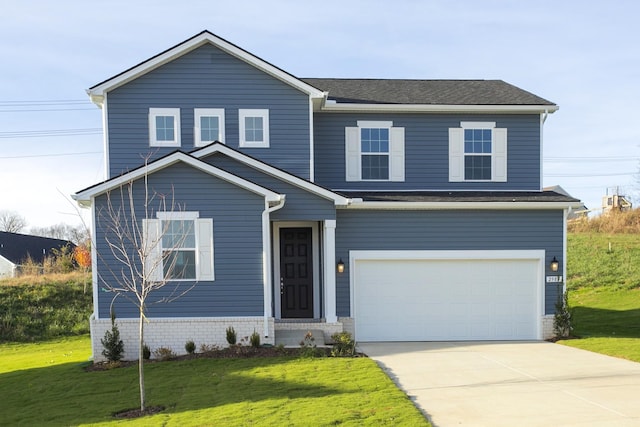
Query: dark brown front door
x,y
296,275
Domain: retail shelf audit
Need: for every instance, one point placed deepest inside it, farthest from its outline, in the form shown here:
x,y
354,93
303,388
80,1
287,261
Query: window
x,y
164,127
209,126
477,152
178,246
374,152
254,128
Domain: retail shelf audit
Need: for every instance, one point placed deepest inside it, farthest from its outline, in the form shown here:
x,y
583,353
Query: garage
x,y
447,295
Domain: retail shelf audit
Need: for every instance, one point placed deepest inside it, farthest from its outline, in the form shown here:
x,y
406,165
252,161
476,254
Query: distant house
x,y
615,202
16,248
575,213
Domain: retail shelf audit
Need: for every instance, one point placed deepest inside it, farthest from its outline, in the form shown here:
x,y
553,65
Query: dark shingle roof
x,y
436,92
18,247
460,196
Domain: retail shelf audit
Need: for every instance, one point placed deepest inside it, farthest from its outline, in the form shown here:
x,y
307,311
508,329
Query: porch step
x,y
293,337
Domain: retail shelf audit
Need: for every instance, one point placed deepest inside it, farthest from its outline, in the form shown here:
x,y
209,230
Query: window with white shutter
x,y
374,151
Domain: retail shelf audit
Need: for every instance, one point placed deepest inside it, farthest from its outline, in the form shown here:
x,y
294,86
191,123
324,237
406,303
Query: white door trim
x,y
315,247
535,255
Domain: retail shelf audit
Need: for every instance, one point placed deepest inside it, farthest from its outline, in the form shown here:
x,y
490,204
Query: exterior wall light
x,y
554,264
340,266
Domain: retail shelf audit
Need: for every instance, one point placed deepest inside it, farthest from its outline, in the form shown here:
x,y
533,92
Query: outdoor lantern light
x,y
340,266
554,264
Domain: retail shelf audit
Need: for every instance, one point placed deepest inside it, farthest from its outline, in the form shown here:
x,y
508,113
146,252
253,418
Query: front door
x,y
296,273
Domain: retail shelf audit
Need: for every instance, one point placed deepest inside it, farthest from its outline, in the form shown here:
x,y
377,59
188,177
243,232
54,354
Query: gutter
x,y
360,204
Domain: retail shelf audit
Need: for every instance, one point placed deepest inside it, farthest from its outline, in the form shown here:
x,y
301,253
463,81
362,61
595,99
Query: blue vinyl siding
x,y
300,205
427,151
447,230
208,78
237,236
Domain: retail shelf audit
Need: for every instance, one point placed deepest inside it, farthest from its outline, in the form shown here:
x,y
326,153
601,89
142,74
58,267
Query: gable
x,y
98,91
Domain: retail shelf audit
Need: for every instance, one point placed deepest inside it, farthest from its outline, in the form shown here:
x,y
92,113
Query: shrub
x,y
146,352
164,353
255,339
208,348
232,337
344,345
308,347
113,345
562,318
190,347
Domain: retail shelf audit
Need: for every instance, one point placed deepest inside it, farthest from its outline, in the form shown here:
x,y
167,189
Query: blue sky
x,y
582,55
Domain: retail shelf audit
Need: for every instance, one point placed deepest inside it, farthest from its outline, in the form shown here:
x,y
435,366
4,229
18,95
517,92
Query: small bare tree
x,y
12,222
141,257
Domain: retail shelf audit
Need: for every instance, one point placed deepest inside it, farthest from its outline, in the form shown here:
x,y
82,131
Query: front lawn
x,y
45,384
607,320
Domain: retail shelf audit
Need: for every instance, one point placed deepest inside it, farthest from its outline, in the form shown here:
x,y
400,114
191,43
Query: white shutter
x,y
499,155
152,250
352,154
397,154
456,155
204,229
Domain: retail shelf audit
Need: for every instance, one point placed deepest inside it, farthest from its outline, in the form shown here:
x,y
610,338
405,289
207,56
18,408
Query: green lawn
x,y
604,293
44,384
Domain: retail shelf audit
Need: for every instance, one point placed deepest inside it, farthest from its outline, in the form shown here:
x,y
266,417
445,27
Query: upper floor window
x,y
374,152
209,125
178,246
254,128
164,127
477,152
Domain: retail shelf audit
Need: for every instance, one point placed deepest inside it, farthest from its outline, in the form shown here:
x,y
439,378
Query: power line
x,y
51,155
50,133
570,175
47,109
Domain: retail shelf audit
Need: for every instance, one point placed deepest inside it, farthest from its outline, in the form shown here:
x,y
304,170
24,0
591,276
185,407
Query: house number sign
x,y
554,279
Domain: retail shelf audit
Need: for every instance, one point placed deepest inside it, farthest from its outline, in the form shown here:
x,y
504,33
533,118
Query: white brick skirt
x,y
174,333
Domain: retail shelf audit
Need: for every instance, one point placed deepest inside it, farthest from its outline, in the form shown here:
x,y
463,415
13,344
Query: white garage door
x,y
446,300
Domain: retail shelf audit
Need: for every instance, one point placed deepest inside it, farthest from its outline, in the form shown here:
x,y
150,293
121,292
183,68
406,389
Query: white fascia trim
x,y
270,170
105,136
429,108
311,143
84,196
96,92
359,204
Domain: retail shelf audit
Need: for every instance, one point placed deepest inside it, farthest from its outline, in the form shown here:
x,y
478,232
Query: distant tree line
x,y
13,222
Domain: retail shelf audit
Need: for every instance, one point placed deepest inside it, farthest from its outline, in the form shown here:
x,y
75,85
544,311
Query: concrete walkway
x,y
512,383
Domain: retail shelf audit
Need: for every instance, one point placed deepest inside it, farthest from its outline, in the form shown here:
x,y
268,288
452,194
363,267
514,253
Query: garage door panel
x,y
445,299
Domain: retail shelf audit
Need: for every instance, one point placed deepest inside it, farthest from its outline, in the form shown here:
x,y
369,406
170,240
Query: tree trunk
x,y
141,360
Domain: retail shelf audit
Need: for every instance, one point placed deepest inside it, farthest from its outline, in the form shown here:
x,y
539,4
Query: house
x,y
397,210
615,202
15,249
580,212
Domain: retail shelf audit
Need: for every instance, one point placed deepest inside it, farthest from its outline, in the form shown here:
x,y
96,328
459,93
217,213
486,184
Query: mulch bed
x,y
234,352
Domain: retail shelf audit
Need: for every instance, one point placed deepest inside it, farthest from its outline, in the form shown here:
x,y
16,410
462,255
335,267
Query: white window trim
x,y
264,114
204,245
198,113
498,152
353,151
155,112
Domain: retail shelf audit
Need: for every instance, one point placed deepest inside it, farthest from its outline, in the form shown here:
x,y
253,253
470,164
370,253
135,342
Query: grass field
x,y
604,293
45,384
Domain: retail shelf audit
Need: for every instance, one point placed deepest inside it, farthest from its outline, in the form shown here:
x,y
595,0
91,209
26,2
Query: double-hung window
x,y
164,127
254,128
477,152
178,246
209,125
374,152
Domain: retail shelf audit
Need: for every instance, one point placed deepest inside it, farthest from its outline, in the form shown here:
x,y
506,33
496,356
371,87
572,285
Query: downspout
x,y
267,258
543,118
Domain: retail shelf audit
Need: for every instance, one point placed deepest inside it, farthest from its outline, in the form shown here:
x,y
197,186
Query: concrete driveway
x,y
512,383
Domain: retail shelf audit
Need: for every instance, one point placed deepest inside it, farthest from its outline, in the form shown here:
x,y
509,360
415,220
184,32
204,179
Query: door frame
x,y
315,248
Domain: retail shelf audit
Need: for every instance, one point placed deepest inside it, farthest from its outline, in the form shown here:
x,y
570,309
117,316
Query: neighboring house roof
x,y
577,211
438,92
463,199
17,247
